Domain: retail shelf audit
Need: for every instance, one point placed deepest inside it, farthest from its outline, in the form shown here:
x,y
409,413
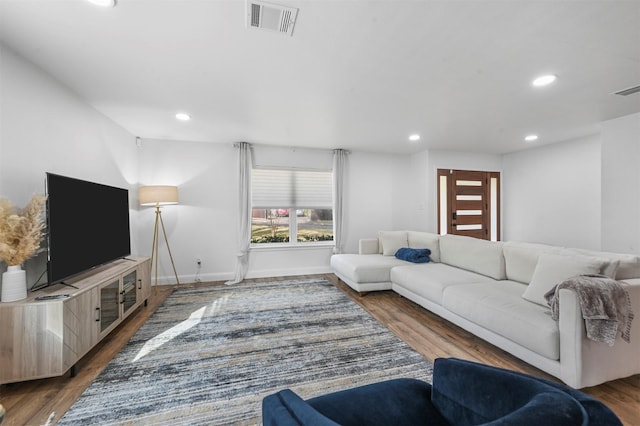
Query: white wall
x,y
204,223
551,194
46,127
420,203
621,184
379,190
399,192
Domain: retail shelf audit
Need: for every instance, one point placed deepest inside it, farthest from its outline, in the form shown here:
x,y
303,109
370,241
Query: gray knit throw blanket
x,y
605,305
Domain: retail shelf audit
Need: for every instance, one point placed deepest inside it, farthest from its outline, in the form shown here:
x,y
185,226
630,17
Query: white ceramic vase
x,y
14,284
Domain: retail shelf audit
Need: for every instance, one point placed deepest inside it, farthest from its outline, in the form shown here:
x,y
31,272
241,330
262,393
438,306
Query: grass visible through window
x,y
274,225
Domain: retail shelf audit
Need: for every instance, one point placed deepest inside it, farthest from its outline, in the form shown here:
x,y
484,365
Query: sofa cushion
x,y
499,307
401,401
429,280
369,246
391,241
428,240
473,254
628,266
468,393
367,268
287,408
521,259
552,269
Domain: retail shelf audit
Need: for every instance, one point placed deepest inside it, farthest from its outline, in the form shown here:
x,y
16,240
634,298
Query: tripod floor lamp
x,y
159,195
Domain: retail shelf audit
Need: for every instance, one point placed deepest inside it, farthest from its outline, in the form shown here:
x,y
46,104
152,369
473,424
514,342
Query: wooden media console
x,y
45,334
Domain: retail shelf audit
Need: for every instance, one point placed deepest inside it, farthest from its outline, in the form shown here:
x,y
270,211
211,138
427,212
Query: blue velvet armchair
x,y
463,393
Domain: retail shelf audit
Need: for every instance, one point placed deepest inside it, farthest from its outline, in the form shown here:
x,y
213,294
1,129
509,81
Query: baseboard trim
x,y
226,276
267,273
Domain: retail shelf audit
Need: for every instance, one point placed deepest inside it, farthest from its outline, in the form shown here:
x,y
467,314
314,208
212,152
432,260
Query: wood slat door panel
x,y
469,219
469,205
465,185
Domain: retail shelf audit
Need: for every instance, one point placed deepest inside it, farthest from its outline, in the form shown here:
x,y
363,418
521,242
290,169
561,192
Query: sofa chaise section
x,y
495,291
365,273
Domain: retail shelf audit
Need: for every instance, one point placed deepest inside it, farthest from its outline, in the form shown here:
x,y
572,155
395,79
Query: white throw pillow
x,y
610,268
552,269
391,241
521,259
628,264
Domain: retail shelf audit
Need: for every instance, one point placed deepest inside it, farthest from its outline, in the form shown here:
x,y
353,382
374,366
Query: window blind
x,y
273,188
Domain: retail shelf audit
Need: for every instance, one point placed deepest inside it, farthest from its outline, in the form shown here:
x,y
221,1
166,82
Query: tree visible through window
x,y
291,206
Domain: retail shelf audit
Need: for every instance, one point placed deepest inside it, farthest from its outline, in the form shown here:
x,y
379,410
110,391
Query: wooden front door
x,y
469,203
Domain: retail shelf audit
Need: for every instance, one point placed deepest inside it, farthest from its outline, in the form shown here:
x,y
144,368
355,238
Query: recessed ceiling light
x,y
414,138
103,3
531,138
544,80
183,117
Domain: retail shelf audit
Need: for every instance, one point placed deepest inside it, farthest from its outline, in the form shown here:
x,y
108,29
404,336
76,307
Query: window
x,y
291,206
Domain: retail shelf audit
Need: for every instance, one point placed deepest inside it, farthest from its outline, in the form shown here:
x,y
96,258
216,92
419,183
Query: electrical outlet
x,y
199,262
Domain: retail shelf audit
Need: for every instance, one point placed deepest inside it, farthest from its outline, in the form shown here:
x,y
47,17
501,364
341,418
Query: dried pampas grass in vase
x,y
21,232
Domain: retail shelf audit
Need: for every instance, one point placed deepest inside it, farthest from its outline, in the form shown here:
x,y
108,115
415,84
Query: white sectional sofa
x,y
495,290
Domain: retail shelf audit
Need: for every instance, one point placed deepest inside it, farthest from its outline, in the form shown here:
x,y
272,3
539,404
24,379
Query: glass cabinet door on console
x,y
129,293
109,304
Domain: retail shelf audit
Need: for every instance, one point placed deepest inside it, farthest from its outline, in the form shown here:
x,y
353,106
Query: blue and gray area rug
x,y
209,355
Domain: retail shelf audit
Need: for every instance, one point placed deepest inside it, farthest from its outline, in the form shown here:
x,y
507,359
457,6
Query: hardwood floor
x,y
44,401
40,402
435,337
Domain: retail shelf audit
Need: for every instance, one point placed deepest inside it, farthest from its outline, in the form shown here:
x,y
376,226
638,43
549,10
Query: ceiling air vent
x,y
272,17
629,91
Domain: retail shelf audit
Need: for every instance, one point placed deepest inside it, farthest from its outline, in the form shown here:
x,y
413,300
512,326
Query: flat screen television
x,y
87,224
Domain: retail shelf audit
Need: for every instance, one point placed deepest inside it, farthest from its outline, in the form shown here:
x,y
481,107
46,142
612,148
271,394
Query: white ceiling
x,y
361,75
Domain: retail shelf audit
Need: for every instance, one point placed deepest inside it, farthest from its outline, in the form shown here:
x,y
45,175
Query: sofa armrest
x,y
401,401
285,408
396,401
368,246
584,362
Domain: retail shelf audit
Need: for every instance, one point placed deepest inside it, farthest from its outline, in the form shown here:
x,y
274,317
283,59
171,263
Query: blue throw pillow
x,y
414,255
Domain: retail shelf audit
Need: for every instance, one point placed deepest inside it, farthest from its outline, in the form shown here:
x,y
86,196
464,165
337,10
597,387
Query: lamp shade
x,y
103,3
158,195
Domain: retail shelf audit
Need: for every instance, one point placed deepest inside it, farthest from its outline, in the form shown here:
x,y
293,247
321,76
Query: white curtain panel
x,y
339,177
244,204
